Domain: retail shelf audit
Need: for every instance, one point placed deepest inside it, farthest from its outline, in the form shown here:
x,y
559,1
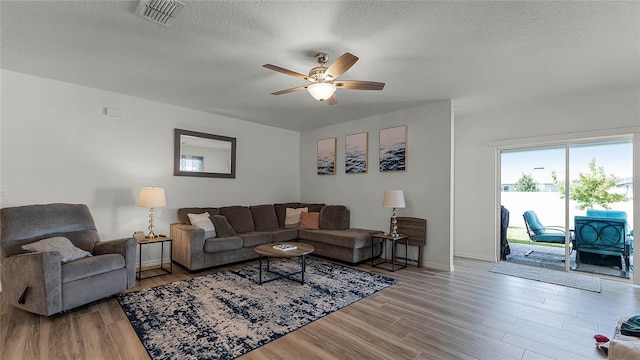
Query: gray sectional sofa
x,y
241,228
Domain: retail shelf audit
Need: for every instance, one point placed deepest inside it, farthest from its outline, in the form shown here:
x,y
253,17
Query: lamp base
x,y
394,224
151,234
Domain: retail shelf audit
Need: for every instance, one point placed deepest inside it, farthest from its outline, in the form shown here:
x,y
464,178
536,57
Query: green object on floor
x,y
631,327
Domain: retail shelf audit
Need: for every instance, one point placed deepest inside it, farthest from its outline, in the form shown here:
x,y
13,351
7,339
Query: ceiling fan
x,y
324,80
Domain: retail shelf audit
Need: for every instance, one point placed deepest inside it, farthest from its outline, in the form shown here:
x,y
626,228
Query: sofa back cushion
x,y
183,213
239,217
312,207
264,217
334,217
26,224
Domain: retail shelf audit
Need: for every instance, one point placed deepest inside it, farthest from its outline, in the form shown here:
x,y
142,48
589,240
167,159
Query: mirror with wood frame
x,y
204,155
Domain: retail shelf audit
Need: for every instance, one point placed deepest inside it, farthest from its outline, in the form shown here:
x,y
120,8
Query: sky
x,y
615,157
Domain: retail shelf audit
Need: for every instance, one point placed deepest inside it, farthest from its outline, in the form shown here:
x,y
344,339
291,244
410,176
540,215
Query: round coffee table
x,y
268,251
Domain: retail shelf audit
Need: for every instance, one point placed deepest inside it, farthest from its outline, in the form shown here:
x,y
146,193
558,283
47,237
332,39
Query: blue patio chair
x,y
540,233
604,232
617,214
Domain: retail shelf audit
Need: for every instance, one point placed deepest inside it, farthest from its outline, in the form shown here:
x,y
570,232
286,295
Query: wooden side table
x,y
383,264
416,231
158,240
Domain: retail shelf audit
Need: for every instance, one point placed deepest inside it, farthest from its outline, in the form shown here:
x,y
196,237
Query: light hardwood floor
x,y
470,313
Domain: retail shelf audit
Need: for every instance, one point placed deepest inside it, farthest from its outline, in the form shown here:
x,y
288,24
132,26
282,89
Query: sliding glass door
x,y
597,175
601,206
536,229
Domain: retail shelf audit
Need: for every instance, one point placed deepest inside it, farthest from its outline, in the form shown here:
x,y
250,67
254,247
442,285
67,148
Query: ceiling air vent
x,y
159,11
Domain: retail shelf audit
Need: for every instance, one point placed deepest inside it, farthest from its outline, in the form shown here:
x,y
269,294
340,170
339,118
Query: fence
x,y
550,208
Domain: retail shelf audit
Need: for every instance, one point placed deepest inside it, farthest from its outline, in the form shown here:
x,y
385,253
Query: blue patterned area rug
x,y
227,314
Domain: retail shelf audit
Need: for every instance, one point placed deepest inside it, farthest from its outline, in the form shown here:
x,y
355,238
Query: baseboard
x,y
474,256
437,266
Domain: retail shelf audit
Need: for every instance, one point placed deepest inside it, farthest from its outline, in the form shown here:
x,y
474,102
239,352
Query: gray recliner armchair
x,y
39,282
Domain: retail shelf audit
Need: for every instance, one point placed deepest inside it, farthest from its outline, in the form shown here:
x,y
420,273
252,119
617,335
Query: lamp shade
x,y
152,197
321,91
393,199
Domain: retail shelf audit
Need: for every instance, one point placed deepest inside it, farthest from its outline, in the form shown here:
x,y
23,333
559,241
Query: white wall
x,y
426,183
57,146
475,167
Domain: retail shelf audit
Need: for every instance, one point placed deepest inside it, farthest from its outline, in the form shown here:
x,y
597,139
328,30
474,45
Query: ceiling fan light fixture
x,y
321,91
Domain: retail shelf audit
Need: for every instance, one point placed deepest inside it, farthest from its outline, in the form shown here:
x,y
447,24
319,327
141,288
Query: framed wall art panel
x,y
393,148
356,153
326,159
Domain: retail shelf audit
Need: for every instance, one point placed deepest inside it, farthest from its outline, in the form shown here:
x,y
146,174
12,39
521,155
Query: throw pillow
x,y
309,221
203,222
68,252
292,217
222,225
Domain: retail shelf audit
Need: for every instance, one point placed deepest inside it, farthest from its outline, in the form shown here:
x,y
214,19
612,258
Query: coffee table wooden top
x,y
268,250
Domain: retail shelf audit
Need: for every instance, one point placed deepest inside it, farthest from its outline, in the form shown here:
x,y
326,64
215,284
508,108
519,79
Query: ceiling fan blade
x,y
285,71
341,65
359,85
332,100
286,91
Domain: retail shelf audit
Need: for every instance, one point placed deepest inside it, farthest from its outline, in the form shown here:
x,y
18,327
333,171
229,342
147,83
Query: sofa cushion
x,y
292,220
334,217
281,235
256,238
183,217
312,207
203,221
264,217
222,244
281,211
223,227
309,221
68,252
91,266
350,238
239,217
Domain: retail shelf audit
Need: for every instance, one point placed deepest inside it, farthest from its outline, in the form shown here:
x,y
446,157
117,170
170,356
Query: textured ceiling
x,y
483,55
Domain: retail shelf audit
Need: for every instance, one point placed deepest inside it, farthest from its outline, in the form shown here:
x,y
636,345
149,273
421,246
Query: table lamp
x,y
393,199
151,197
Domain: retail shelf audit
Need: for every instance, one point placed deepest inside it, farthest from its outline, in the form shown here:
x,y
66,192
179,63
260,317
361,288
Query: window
x,y
191,163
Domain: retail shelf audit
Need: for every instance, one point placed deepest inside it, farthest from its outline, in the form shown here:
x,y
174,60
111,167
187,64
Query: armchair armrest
x,y
188,245
41,272
125,247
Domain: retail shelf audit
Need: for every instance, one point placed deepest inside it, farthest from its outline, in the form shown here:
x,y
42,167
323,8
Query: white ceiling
x,y
483,55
